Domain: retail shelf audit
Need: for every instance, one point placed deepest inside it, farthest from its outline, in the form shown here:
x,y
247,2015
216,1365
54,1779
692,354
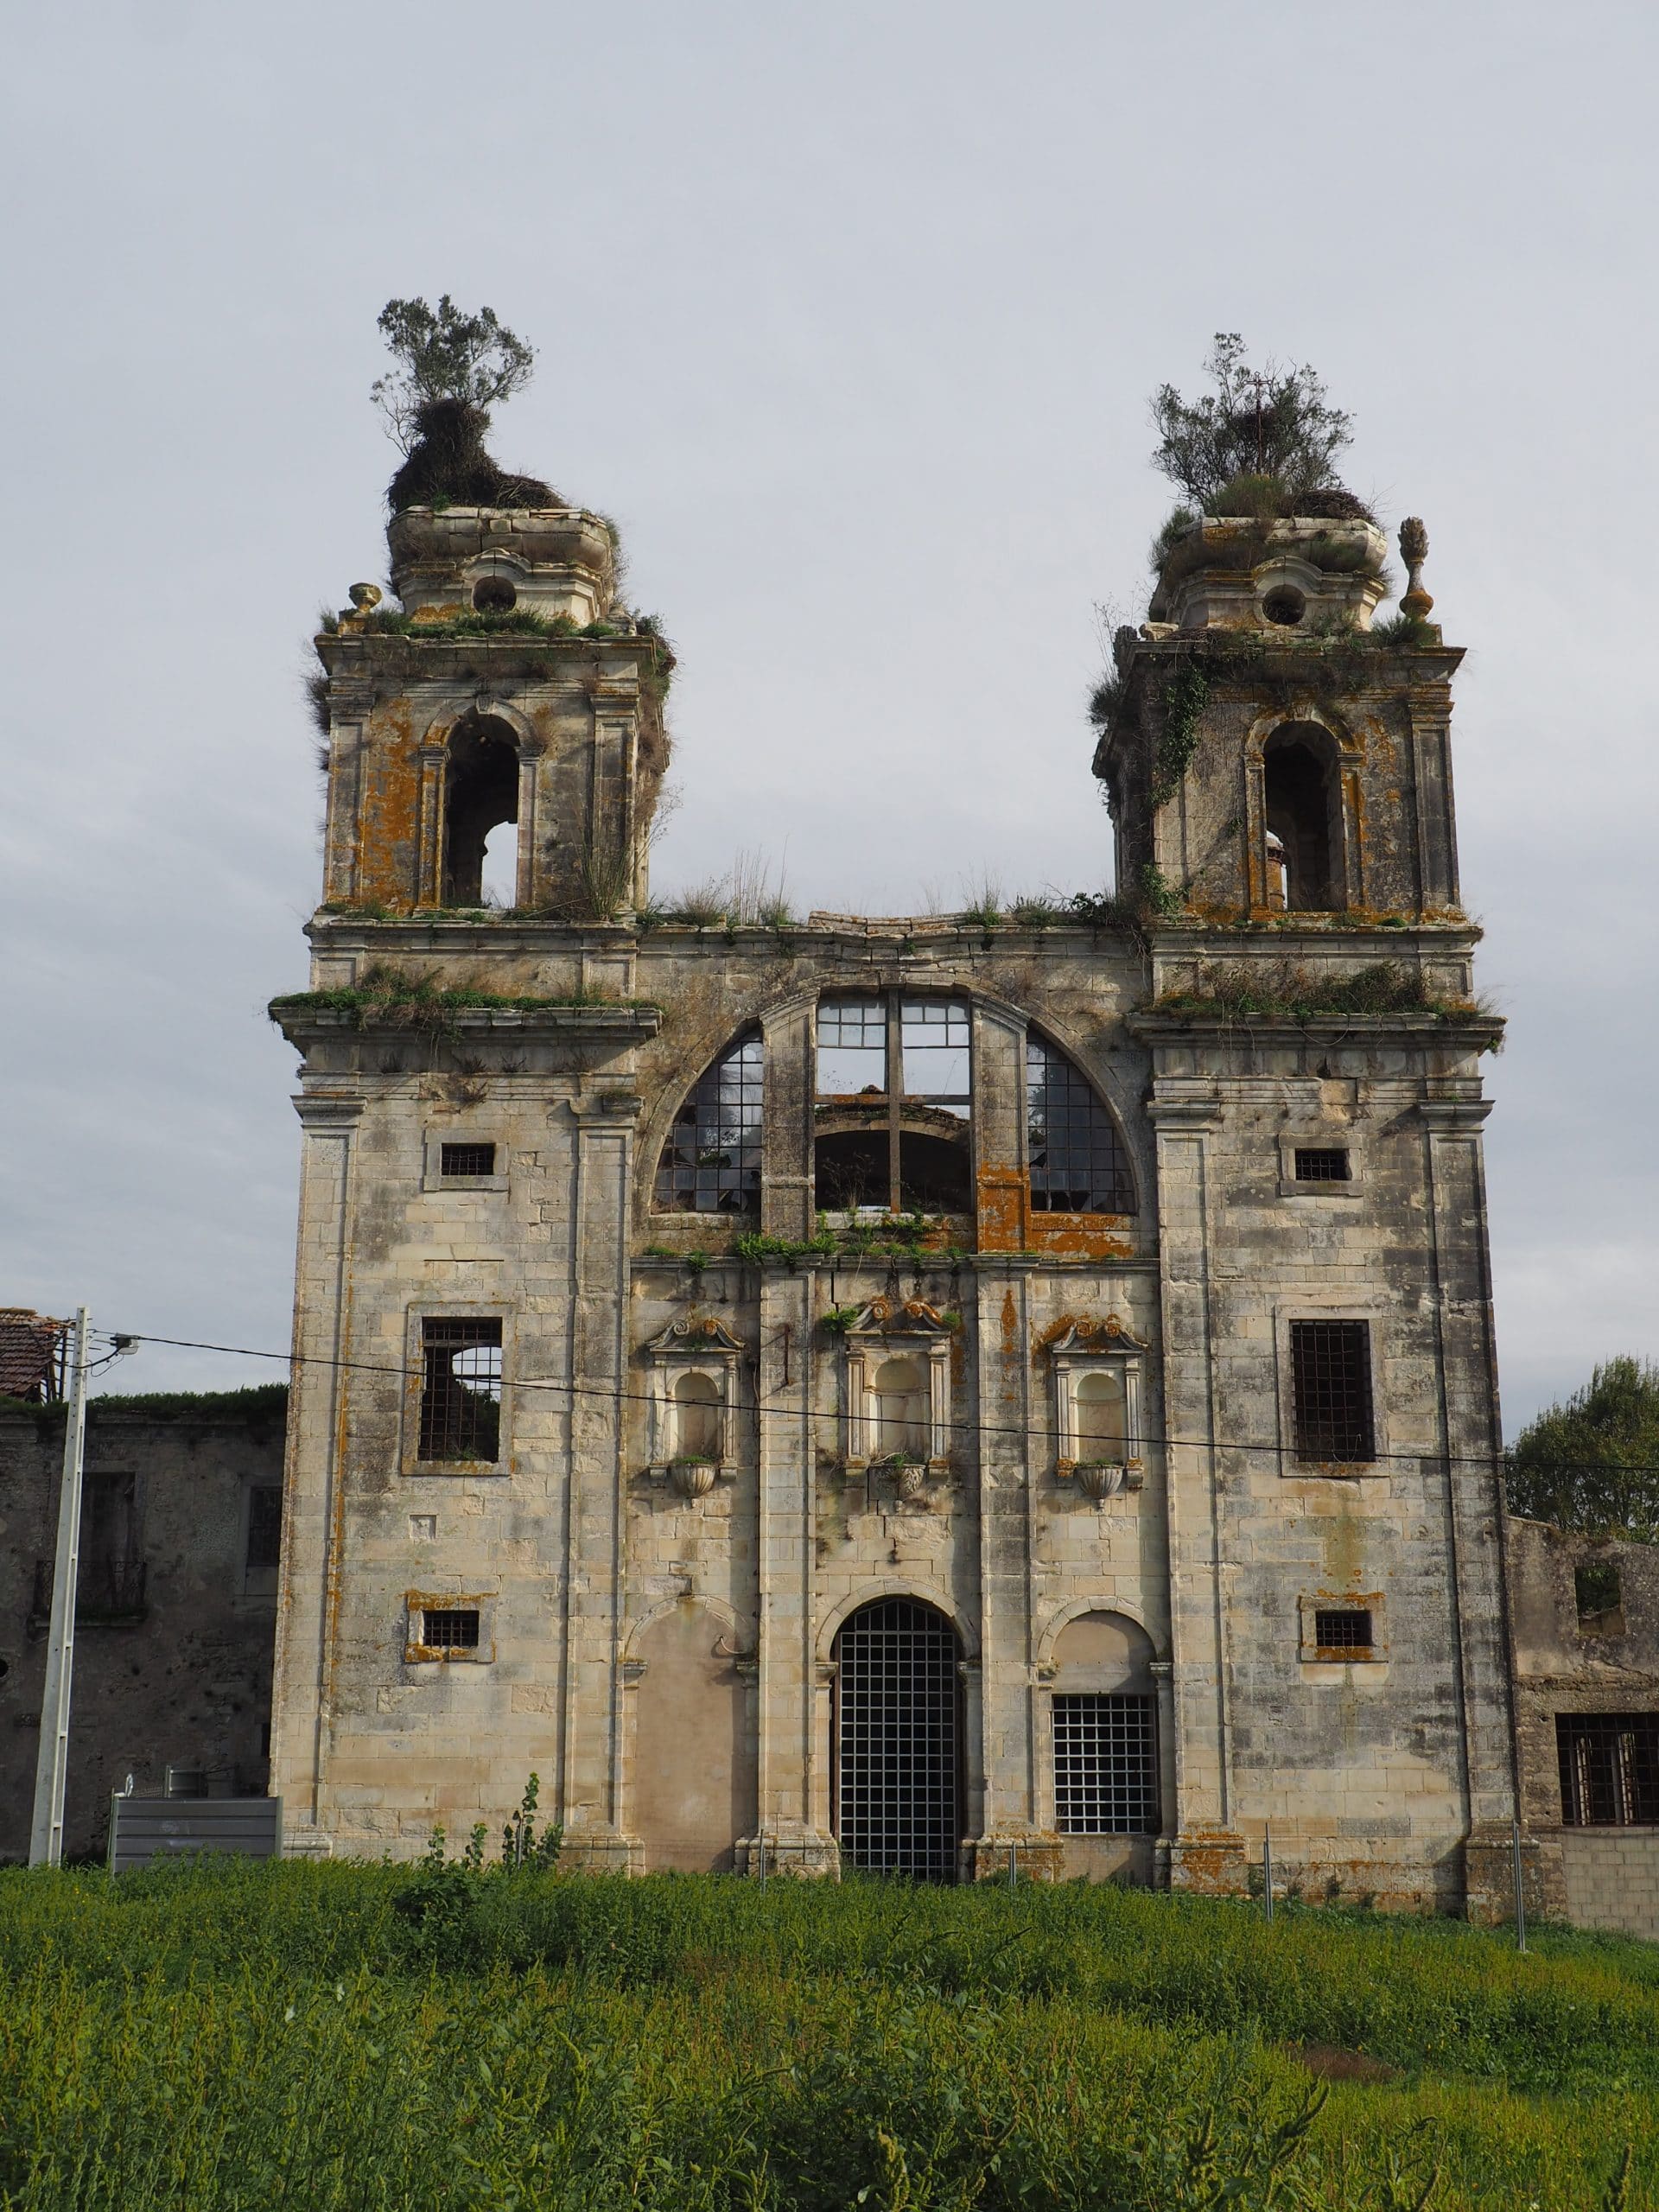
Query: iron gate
x,y
898,1741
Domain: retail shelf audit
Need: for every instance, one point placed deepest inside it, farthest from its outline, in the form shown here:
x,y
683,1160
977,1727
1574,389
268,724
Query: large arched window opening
x,y
898,1735
1299,793
480,794
1074,1154
893,1099
711,1162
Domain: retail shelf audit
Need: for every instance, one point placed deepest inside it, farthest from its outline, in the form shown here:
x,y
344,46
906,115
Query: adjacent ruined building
x,y
175,1597
898,1392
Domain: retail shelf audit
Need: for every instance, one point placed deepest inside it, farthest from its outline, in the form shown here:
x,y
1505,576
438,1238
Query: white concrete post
x,y
52,1766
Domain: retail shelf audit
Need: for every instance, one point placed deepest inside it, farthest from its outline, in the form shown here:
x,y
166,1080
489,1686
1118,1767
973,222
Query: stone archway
x,y
898,1740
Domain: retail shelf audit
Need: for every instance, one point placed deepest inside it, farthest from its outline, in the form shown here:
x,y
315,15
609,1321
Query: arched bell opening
x,y
897,1726
1301,795
481,813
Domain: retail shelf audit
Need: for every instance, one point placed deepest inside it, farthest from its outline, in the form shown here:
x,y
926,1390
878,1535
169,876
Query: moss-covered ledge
x,y
423,1009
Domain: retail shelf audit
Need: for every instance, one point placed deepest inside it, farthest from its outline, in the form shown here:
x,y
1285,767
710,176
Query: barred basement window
x,y
454,1628
461,1394
466,1160
1331,1374
711,1162
1321,1163
1609,1768
1341,1632
1075,1154
1105,1766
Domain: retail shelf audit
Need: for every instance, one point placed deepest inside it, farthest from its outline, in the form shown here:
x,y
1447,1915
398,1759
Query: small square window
x,y
1322,1163
1341,1630
450,1628
456,1160
1330,1377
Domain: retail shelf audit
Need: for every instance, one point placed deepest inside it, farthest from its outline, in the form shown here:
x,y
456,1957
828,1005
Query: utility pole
x,y
52,1769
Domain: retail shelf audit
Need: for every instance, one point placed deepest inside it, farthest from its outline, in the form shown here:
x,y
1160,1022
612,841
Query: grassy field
x,y
345,2039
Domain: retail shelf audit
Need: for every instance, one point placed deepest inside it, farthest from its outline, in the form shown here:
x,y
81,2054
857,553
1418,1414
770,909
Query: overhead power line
x,y
619,1397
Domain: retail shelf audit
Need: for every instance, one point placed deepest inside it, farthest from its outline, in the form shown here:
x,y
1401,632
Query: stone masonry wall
x,y
173,1650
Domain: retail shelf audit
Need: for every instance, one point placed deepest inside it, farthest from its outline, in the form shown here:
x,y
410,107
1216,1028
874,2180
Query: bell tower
x,y
1271,751
510,688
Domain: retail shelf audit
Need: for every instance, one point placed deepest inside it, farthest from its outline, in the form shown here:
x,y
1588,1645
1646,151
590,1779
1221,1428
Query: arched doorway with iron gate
x,y
897,1723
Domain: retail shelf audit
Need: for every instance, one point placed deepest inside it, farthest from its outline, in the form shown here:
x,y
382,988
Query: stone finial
x,y
1413,551
364,596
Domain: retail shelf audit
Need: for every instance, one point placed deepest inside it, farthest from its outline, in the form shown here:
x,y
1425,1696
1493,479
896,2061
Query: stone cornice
x,y
302,1020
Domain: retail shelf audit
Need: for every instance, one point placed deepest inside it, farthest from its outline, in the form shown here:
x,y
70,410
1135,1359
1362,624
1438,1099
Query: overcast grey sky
x,y
850,314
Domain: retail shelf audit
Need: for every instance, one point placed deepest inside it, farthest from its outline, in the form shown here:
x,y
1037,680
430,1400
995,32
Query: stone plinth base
x,y
602,1851
1209,1862
1489,1876
788,1849
1031,1855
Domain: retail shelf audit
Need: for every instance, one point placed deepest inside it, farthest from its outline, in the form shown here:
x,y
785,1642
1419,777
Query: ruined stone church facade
x,y
898,1393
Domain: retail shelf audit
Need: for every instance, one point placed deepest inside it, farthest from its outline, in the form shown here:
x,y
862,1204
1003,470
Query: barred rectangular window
x,y
460,1390
1105,1766
1321,1164
1609,1768
1341,1632
451,1628
458,1159
1331,1373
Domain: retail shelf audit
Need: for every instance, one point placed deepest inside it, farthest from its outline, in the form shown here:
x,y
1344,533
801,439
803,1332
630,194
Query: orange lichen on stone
x,y
388,828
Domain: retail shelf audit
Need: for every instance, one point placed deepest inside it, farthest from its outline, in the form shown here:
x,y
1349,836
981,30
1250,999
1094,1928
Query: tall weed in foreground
x,y
225,2037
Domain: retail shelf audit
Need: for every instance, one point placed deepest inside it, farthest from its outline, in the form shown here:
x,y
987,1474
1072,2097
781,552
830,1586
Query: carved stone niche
x,y
898,1391
1096,1367
692,1367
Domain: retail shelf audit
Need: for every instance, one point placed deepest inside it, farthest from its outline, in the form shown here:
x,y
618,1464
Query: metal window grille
x,y
1341,1632
450,1628
1075,1154
466,1160
1321,1164
265,1528
1331,1370
1105,1766
461,1394
711,1162
898,1741
1609,1768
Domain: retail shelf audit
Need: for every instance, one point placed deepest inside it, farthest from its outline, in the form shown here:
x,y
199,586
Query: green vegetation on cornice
x,y
386,996
1288,993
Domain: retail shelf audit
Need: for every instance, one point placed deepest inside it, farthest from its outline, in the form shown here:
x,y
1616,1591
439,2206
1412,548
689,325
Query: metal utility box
x,y
142,1828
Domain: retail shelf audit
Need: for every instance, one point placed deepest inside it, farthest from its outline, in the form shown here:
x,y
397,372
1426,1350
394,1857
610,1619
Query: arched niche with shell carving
x,y
897,1393
1096,1367
693,1370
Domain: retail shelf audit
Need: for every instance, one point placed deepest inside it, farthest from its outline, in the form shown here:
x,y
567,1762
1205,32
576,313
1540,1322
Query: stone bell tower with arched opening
x,y
895,1392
